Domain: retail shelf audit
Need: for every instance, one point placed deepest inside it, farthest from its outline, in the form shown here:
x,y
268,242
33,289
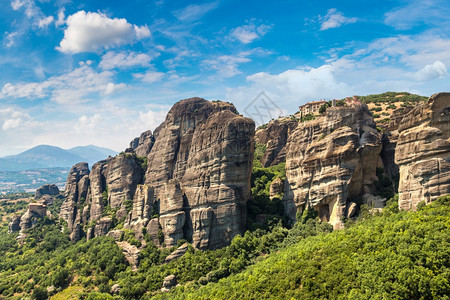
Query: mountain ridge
x,y
48,156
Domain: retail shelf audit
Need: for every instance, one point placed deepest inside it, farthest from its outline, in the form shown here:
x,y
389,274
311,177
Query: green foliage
x,y
377,108
401,255
392,97
324,107
307,117
142,161
384,187
40,293
269,211
260,149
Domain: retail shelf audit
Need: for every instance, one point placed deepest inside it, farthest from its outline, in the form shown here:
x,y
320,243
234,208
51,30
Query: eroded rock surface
x,y
330,160
423,152
201,160
197,179
143,144
275,137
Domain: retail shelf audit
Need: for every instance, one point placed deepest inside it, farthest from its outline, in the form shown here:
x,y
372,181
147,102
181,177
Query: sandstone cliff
x,y
331,160
423,152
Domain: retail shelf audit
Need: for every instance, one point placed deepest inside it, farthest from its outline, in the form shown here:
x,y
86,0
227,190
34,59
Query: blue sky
x,y
101,72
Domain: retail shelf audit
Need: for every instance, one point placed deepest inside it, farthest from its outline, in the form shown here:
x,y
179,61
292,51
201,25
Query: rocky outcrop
x,y
143,145
111,183
76,190
199,168
169,282
197,179
177,253
14,225
331,160
131,254
275,137
47,189
423,152
123,174
35,212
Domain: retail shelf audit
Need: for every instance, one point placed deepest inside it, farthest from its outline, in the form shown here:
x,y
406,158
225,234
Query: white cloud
x,y
149,76
227,65
9,39
13,118
334,19
194,12
111,88
292,87
68,88
61,18
45,22
92,32
432,71
416,12
30,8
87,124
124,59
248,33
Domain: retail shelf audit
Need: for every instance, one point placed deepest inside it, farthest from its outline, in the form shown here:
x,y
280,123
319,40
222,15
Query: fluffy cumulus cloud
x,y
92,32
194,12
249,33
432,71
13,118
334,19
124,59
68,88
291,88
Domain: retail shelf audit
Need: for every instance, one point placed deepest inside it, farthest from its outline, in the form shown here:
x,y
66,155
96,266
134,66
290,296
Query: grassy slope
x,y
393,256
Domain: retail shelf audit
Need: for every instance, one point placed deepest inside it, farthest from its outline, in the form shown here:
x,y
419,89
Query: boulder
x,y
177,253
169,282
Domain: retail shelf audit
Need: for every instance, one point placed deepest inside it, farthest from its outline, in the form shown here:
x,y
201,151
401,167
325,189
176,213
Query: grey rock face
x,y
202,158
47,189
143,144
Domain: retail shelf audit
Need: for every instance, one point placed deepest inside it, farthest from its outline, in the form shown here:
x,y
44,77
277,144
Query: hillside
x,y
389,256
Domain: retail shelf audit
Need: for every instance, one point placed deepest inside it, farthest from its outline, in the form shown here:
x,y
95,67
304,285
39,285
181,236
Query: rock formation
x,y
331,160
423,152
197,179
275,137
47,189
200,168
143,144
34,212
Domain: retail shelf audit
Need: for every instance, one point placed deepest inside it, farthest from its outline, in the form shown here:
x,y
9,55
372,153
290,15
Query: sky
x,y
101,72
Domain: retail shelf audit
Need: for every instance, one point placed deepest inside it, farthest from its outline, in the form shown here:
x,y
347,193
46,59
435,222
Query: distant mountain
x,y
45,156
